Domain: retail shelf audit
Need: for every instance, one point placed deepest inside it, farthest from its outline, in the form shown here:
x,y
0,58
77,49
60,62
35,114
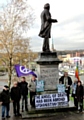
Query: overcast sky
x,y
68,33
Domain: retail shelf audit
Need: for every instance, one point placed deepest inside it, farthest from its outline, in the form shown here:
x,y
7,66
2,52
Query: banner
x,y
77,71
23,71
51,100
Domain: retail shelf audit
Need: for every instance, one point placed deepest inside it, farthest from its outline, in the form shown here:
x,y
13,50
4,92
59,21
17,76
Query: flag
x,y
23,71
77,72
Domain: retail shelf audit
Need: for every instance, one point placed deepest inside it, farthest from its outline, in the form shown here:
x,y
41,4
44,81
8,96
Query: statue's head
x,y
47,6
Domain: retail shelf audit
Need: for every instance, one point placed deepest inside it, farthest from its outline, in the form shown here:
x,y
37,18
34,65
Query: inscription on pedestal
x,y
48,70
50,76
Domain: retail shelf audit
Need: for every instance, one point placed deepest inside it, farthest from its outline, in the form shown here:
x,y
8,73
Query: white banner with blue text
x,y
51,100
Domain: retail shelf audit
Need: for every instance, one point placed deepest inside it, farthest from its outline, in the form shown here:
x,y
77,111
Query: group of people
x,y
18,92
75,88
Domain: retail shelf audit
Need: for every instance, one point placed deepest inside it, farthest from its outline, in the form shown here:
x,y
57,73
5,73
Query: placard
x,y
61,88
40,86
51,100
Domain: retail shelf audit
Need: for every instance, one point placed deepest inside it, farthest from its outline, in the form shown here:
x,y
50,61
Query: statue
x,y
46,22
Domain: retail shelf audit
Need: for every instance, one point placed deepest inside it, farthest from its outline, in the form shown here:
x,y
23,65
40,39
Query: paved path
x,y
71,115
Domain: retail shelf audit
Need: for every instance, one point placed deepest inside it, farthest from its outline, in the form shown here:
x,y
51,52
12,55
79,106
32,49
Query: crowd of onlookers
x,y
19,92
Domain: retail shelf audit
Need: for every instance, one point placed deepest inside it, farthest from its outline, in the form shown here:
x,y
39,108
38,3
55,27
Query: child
x,y
79,96
5,101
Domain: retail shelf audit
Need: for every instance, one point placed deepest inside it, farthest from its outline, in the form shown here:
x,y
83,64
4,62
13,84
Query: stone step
x,y
35,113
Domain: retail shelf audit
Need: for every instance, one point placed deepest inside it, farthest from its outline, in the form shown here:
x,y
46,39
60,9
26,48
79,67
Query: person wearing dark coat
x,y
67,81
46,22
79,96
83,96
5,100
15,97
24,93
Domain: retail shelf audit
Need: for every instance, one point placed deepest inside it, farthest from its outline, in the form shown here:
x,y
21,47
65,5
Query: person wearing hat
x,y
46,22
5,101
32,88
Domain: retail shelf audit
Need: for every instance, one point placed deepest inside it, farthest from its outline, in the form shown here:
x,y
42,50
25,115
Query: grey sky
x,y
68,33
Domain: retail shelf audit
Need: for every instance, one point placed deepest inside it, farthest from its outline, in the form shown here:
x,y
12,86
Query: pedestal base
x,y
48,69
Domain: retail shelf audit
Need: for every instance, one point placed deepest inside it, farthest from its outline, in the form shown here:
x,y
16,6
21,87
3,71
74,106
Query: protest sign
x,y
61,88
40,86
51,100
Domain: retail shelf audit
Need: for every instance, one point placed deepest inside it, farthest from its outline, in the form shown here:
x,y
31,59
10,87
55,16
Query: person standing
x,y
5,101
67,81
32,88
46,22
24,93
74,85
83,97
79,96
15,97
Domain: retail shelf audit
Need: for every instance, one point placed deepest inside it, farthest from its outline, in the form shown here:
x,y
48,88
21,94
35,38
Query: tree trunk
x,y
10,71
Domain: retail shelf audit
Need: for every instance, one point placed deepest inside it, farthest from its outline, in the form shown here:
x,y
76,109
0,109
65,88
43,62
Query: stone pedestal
x,y
48,69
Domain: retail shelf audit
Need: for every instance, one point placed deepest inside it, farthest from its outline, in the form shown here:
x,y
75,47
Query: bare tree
x,y
16,17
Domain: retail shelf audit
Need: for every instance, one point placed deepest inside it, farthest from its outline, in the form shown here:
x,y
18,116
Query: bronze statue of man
x,y
46,22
